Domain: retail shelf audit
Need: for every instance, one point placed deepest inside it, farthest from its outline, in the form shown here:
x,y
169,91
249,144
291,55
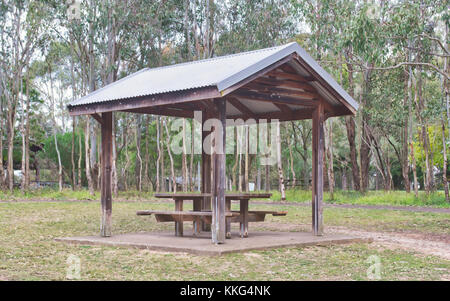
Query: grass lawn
x,y
28,251
393,198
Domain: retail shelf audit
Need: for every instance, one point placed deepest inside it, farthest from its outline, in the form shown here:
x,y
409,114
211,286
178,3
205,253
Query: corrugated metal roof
x,y
220,72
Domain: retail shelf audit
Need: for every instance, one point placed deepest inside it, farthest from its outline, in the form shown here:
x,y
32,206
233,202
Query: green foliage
x,y
392,198
50,155
436,146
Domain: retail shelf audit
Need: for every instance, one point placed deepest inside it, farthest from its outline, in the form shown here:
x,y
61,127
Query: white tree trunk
x,y
280,167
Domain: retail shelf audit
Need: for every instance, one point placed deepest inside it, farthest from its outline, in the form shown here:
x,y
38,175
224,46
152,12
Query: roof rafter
x,y
275,98
241,107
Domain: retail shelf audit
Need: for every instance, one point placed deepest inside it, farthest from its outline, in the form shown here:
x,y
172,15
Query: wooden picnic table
x,y
198,215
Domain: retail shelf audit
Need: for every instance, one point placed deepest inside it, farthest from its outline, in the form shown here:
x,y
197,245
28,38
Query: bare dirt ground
x,y
418,242
427,244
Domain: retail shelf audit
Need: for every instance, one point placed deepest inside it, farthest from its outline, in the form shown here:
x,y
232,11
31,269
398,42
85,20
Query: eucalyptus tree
x,y
22,32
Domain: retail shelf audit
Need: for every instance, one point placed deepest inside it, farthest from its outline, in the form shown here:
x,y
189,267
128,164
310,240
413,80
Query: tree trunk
x,y
158,160
329,154
87,160
247,160
258,178
147,155
413,160
405,138
91,134
291,158
37,169
172,168
2,174
191,162
10,168
184,171
236,159
72,155
365,135
60,175
350,126
80,157
444,167
280,167
127,156
24,146
198,177
445,96
138,162
344,184
424,133
241,178
267,178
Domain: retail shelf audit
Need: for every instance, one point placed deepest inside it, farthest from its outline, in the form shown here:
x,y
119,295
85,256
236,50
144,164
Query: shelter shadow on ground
x,y
165,241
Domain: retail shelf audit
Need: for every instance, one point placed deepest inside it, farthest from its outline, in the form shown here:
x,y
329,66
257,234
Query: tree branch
x,y
412,64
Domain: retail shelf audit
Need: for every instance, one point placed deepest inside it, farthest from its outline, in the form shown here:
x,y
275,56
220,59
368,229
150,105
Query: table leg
x,y
227,219
197,226
179,224
206,206
244,217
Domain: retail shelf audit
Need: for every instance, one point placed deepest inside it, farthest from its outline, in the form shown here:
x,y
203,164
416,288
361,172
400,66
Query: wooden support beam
x,y
318,141
106,179
97,117
302,114
326,105
288,68
164,111
286,75
209,106
275,98
285,109
277,90
298,60
218,227
241,107
284,83
146,101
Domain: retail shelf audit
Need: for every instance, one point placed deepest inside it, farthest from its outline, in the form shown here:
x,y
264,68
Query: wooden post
x,y
244,217
317,169
206,172
218,200
106,179
228,220
179,223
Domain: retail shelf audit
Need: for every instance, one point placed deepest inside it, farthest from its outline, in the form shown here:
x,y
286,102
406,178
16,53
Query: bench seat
x,y
199,217
206,216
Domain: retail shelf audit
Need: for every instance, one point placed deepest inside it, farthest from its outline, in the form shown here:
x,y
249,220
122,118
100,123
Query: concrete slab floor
x,y
202,245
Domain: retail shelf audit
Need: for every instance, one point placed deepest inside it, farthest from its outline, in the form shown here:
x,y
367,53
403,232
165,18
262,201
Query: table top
x,y
231,195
